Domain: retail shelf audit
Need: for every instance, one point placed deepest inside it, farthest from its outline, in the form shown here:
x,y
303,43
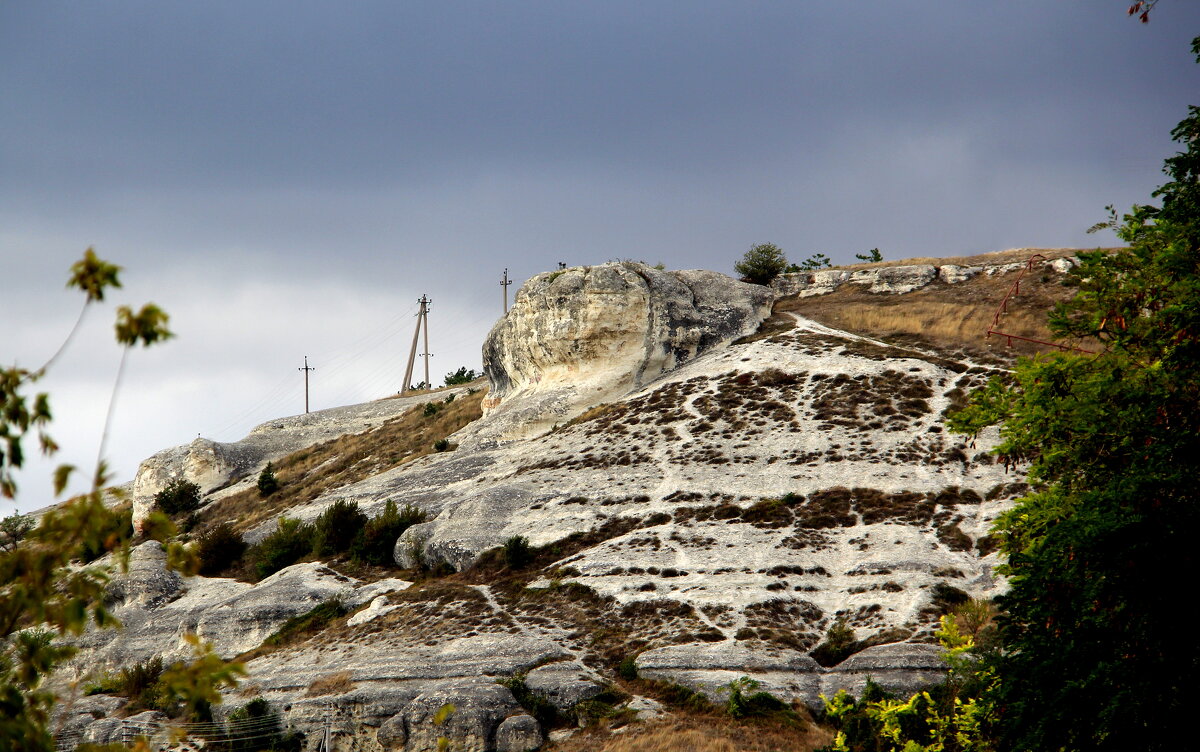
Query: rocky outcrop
x,y
897,280
218,465
730,500
467,713
156,607
583,336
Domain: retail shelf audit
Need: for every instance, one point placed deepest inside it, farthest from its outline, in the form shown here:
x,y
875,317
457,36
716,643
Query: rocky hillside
x,y
708,474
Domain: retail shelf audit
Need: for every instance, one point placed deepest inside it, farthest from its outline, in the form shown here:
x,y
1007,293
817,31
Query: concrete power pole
x,y
425,318
504,283
306,369
412,353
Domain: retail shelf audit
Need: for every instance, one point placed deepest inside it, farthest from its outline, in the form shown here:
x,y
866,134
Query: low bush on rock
x,y
335,530
517,552
255,727
307,623
291,542
218,548
267,482
839,644
376,541
178,496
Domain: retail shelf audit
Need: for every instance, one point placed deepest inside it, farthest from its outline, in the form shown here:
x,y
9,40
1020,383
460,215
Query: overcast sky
x,y
287,178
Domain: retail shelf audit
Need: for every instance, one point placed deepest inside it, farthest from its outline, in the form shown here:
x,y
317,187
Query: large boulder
x,y
583,336
467,713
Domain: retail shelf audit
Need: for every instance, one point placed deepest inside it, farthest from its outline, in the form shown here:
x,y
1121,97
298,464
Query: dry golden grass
x,y
995,257
306,474
331,684
949,316
702,733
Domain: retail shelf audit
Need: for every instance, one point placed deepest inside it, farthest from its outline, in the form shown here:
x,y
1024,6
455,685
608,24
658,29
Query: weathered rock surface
x,y
727,504
564,684
465,713
898,279
518,733
582,336
157,608
212,464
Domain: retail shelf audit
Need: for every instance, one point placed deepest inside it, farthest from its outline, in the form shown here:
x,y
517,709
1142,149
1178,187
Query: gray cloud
x,y
287,178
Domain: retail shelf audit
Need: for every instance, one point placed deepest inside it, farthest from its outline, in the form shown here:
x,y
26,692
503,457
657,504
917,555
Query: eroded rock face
x,y
213,464
896,280
466,714
583,336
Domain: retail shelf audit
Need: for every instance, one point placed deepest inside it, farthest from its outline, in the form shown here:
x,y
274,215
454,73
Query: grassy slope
x,y
950,317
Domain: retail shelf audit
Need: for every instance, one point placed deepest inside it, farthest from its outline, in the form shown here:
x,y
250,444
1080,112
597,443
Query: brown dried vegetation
x,y
306,474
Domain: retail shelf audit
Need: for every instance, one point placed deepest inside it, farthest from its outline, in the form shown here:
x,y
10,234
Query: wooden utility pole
x,y
306,369
504,283
412,353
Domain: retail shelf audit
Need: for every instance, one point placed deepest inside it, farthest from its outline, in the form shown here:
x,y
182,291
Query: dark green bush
x,y
119,528
441,445
762,263
535,704
627,668
178,496
307,623
946,597
337,527
255,727
291,542
376,543
462,376
839,644
517,552
218,548
267,482
431,409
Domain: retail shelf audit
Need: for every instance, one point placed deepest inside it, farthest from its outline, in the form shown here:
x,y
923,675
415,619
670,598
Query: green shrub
x,y
812,263
517,552
117,530
377,542
762,263
218,548
535,704
13,530
430,409
742,704
291,542
178,496
839,644
255,727
140,683
946,597
462,376
337,527
441,445
307,623
870,256
267,482
627,668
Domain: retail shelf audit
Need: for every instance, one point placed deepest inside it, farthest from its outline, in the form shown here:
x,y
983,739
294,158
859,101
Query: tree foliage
x,y
463,375
1112,440
762,263
48,590
178,496
267,482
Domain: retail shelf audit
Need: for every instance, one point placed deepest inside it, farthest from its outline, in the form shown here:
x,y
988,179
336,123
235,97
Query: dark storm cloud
x,y
288,177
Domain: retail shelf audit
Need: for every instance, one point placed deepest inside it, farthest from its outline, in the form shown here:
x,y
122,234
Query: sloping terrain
x,y
710,524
